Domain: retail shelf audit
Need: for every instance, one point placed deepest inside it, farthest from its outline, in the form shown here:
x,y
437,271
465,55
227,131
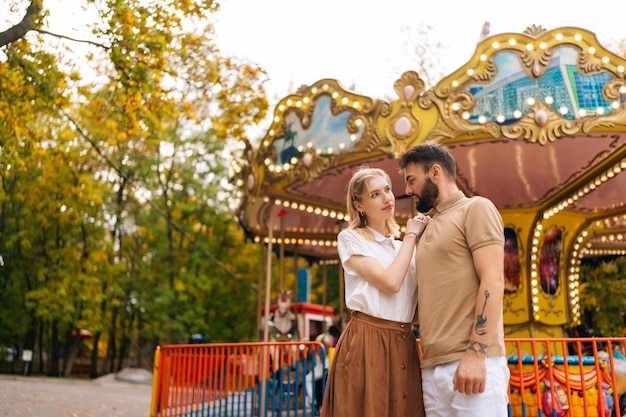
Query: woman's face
x,y
377,201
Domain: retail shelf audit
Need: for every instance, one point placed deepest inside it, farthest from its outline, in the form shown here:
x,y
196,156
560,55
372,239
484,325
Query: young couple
x,y
445,275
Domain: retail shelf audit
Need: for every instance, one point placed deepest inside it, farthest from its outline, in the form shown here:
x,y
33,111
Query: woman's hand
x,y
417,224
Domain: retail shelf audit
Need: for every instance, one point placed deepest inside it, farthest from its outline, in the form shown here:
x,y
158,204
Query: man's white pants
x,y
440,399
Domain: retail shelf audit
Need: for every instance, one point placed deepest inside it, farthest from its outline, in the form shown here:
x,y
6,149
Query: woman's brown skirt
x,y
375,371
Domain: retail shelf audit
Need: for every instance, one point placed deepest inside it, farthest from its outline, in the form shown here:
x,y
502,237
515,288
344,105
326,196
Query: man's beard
x,y
429,194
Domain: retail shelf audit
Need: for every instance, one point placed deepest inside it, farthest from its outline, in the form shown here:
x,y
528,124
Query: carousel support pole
x,y
268,283
259,298
295,290
281,271
324,300
268,275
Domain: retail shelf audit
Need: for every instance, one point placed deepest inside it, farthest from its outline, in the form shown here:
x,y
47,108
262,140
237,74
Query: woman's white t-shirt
x,y
365,297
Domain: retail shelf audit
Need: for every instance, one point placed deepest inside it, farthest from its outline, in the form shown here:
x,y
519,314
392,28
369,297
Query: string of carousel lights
x,y
324,212
532,44
586,189
578,253
306,159
549,100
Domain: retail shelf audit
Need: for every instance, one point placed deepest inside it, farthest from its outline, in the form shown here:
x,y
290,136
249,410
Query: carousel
x,y
537,124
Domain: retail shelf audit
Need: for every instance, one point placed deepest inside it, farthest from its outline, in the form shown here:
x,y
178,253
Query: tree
x,y
424,53
114,202
602,294
27,24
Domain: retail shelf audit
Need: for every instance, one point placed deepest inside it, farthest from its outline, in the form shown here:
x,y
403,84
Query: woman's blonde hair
x,y
357,187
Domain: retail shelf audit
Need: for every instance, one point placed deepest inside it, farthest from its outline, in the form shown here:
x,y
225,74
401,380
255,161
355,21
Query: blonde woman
x,y
376,369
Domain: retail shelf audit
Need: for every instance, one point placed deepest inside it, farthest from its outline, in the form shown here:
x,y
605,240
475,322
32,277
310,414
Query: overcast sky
x,y
362,42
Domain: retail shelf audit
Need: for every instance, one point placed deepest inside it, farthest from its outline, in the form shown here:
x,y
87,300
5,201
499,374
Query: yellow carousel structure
x,y
537,124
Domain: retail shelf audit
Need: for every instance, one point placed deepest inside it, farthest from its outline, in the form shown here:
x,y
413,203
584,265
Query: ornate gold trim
x,y
401,125
541,125
535,49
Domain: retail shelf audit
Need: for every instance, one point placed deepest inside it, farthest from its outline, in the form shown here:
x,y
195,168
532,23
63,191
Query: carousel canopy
x,y
535,120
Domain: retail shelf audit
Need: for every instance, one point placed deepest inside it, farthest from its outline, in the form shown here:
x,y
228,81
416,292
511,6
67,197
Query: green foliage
x,y
115,198
603,295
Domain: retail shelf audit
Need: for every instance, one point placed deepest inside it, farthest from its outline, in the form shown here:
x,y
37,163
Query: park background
x,y
117,125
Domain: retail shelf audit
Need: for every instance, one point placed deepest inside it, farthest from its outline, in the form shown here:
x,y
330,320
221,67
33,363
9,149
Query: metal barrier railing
x,y
576,377
241,379
566,377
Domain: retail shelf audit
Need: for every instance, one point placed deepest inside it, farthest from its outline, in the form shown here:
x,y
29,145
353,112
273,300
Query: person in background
x,y
375,371
336,328
460,273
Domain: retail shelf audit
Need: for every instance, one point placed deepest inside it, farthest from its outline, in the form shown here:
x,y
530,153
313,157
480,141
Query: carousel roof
x,y
535,120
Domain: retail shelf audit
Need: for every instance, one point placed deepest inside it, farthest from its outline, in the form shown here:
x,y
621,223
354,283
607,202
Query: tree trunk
x,y
26,25
93,370
53,368
108,366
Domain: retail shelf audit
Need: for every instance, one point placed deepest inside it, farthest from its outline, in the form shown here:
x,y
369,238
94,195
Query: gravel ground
x,y
58,397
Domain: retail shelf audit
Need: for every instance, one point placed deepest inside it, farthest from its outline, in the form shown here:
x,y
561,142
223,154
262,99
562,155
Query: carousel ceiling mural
x,y
537,123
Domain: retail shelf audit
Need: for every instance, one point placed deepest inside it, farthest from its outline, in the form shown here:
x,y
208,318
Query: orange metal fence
x,y
549,377
242,379
566,377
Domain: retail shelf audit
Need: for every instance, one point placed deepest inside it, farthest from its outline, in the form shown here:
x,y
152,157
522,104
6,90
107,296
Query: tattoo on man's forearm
x,y
481,320
477,347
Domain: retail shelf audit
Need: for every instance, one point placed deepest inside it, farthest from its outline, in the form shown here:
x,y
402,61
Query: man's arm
x,y
471,376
